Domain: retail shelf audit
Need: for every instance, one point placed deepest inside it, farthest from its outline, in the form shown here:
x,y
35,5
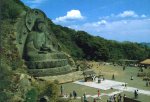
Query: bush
x,y
141,74
31,95
52,91
146,79
10,9
3,96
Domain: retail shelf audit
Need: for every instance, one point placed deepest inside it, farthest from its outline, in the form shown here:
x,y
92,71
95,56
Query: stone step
x,y
50,71
46,63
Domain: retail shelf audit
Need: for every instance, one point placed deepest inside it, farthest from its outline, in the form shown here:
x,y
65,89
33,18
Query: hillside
x,y
82,45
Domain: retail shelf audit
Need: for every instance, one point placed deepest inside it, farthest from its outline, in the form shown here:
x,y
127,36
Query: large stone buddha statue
x,y
39,42
40,48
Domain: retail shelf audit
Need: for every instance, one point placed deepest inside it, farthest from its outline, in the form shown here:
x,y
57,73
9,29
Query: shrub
x,y
52,91
10,9
31,95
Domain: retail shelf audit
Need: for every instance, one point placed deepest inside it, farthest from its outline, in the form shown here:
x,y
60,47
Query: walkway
x,y
108,84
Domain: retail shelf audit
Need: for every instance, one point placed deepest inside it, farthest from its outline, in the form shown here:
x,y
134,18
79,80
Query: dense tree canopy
x,y
82,45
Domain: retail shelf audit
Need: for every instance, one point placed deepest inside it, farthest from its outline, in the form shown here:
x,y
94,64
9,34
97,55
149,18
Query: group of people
x,y
98,79
73,95
116,98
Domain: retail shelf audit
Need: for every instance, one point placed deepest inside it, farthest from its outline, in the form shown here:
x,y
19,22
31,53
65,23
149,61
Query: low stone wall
x,y
70,77
50,71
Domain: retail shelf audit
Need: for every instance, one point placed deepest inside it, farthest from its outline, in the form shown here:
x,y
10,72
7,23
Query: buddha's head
x,y
40,25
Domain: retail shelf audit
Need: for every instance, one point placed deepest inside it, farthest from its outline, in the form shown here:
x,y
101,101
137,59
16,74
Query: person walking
x,y
113,77
98,92
135,94
70,95
74,94
62,90
94,100
124,96
84,95
114,98
119,98
124,68
125,85
147,84
131,77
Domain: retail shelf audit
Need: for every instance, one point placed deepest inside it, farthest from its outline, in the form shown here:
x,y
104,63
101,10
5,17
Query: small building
x,y
89,75
145,63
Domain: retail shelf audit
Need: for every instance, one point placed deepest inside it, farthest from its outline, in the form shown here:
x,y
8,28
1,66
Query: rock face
x,y
39,48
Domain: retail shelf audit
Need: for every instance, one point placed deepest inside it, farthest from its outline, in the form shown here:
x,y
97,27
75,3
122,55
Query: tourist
x,y
113,77
147,84
124,68
70,95
131,77
109,100
61,89
141,69
135,94
74,94
98,92
93,78
99,80
84,95
103,78
94,100
119,98
114,98
124,97
125,85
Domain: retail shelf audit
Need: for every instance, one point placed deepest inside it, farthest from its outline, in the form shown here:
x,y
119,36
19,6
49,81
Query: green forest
x,y
81,45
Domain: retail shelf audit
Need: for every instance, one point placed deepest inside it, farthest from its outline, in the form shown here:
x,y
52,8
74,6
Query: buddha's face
x,y
41,26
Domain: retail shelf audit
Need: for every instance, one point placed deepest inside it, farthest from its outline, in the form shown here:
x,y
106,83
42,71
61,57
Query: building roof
x,y
89,72
147,61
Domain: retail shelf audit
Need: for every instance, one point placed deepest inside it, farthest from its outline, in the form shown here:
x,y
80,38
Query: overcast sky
x,y
121,20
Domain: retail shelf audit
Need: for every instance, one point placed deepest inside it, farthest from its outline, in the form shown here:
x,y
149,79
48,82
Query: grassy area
x,y
80,89
123,76
108,71
141,97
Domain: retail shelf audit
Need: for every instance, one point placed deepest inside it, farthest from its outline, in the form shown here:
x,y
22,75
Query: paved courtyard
x,y
108,84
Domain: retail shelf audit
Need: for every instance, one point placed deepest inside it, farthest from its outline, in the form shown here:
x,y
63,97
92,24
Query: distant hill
x,y
147,44
82,45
